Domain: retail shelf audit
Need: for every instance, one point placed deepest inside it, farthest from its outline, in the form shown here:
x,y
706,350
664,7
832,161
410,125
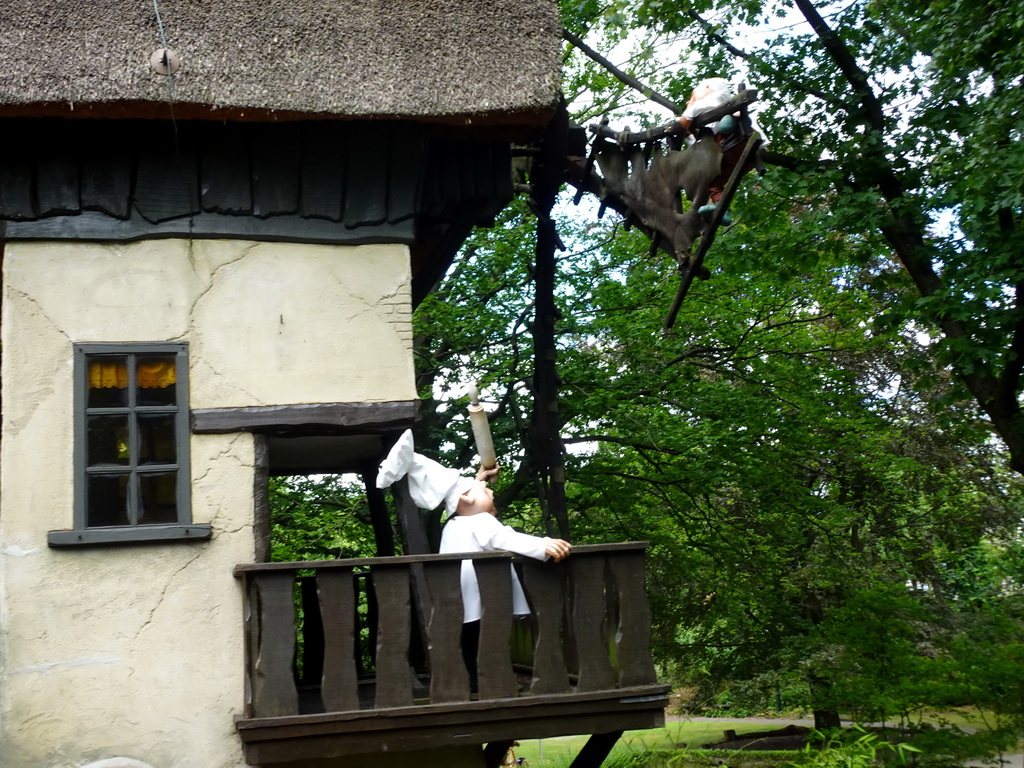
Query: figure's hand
x,y
487,475
558,549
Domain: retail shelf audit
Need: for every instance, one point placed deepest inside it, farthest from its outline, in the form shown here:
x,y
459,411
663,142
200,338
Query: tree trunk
x,y
826,720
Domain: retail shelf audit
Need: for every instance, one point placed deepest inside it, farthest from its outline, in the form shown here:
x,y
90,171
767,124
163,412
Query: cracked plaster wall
x,y
137,650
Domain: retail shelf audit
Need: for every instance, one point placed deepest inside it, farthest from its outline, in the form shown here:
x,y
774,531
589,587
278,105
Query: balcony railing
x,y
335,649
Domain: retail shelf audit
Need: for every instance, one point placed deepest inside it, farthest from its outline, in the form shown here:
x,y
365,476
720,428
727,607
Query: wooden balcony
x,y
363,656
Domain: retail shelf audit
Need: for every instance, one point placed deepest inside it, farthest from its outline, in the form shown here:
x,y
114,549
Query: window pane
x,y
156,439
108,382
107,500
108,440
155,379
131,437
159,498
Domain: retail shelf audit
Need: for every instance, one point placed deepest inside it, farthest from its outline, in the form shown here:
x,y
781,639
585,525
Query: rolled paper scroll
x,y
481,430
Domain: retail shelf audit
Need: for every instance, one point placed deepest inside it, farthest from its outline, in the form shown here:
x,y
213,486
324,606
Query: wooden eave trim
x,y
321,418
504,125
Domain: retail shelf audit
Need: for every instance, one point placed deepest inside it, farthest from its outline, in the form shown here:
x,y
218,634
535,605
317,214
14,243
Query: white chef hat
x,y
429,482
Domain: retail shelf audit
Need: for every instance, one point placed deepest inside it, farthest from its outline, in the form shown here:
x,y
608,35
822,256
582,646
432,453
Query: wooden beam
x,y
494,753
620,700
380,518
336,418
708,237
276,740
596,750
366,562
674,127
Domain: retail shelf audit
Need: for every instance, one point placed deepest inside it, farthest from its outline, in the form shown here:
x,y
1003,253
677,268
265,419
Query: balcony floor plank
x,y
280,739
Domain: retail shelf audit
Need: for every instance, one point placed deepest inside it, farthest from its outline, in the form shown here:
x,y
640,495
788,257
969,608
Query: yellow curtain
x,y
149,374
155,373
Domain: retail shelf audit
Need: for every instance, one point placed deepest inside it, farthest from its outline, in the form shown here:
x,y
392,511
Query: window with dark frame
x,y
132,480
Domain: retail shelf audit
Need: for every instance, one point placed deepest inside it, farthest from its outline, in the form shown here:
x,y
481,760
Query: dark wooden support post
x,y
261,500
379,516
494,753
414,542
548,174
410,524
596,750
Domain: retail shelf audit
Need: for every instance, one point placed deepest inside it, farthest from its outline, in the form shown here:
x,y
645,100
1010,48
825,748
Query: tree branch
x,y
709,30
629,80
674,127
618,441
846,62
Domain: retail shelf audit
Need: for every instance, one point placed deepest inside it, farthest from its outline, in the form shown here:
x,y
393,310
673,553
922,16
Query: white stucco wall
x,y
137,650
267,323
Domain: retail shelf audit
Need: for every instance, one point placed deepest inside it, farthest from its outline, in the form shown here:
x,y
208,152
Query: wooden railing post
x,y
449,680
544,584
633,635
273,684
339,688
494,660
590,628
394,675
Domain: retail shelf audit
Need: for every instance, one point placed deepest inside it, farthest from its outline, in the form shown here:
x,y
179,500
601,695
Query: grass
x,y
553,753
560,752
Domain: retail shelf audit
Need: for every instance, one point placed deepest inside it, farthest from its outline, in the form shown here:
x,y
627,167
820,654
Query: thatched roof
x,y
453,61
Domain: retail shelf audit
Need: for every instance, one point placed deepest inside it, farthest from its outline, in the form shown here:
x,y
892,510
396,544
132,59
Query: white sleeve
x,y
491,534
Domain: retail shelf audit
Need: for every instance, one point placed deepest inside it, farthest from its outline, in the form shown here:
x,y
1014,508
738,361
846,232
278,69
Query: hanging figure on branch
x,y
730,132
644,182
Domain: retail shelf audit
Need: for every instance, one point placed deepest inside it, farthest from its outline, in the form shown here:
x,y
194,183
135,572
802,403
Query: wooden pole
x,y
697,259
546,179
380,517
596,750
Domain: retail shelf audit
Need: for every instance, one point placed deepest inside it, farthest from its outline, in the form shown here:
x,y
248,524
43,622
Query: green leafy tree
x,y
781,452
318,517
891,122
896,184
